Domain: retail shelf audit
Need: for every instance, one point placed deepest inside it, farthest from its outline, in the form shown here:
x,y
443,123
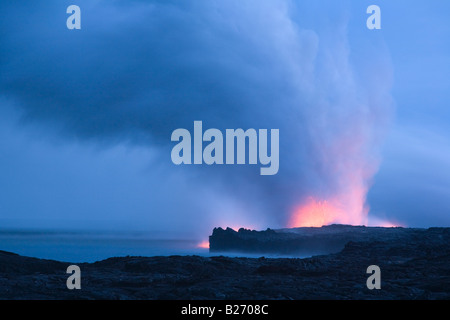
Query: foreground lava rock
x,y
416,266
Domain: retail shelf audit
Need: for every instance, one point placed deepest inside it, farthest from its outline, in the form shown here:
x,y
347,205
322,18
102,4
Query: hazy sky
x,y
86,115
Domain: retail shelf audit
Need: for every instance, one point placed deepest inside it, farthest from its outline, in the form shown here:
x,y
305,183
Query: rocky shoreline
x,y
305,241
413,267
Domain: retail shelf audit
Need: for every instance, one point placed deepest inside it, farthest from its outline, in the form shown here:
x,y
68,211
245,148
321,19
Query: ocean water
x,y
80,247
93,246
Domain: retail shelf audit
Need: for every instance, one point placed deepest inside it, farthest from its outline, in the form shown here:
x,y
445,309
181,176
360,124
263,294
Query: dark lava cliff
x,y
414,263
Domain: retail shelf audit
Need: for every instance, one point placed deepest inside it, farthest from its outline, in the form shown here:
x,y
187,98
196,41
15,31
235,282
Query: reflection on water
x,y
90,247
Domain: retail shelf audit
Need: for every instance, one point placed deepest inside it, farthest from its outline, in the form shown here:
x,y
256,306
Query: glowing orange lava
x,y
343,210
316,213
203,244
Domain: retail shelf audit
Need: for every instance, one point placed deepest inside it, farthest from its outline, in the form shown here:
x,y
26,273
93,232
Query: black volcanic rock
x,y
415,264
303,241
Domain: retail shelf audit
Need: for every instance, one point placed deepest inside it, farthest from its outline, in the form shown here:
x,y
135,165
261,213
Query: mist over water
x,y
91,246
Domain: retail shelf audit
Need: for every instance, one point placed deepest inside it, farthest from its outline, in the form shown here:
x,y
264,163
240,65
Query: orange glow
x,y
348,164
377,222
315,213
346,209
388,224
203,244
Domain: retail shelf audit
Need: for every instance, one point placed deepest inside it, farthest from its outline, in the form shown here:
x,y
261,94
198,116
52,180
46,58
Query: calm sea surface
x,y
90,247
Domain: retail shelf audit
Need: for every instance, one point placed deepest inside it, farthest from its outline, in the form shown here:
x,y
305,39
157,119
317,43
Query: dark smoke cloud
x,y
137,70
